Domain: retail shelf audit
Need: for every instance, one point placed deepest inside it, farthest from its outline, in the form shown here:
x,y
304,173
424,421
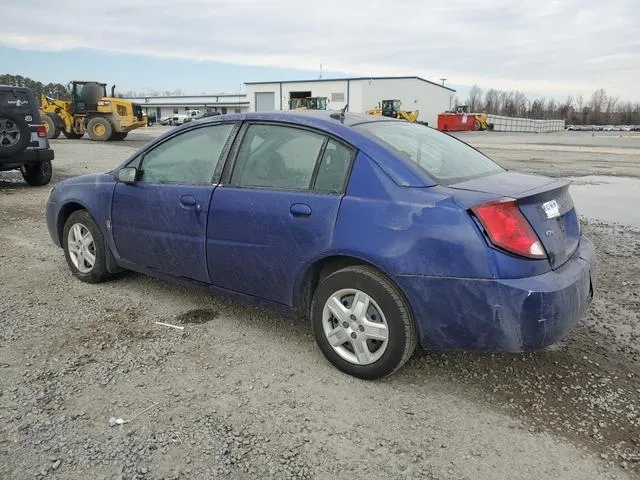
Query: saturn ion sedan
x,y
383,233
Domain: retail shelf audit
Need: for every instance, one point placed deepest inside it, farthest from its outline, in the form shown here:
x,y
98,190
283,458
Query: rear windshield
x,y
444,158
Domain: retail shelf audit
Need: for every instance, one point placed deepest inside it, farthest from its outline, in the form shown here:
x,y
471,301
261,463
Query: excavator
x,y
391,108
91,111
309,103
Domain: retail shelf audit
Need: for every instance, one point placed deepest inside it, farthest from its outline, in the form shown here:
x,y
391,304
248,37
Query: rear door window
x,y
334,168
277,156
444,158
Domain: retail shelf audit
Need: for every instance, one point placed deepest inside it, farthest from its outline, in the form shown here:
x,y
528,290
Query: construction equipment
x,y
391,108
90,110
462,119
309,103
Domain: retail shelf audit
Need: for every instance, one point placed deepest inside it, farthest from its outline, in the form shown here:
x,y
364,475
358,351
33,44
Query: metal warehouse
x,y
167,106
361,94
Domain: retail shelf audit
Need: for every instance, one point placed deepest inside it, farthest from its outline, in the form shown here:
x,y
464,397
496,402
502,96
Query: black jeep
x,y
23,137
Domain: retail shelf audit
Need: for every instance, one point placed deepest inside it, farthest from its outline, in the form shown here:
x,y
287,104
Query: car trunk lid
x,y
546,204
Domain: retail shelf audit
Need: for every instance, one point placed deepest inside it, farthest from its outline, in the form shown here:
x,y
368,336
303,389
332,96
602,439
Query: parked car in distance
x,y
382,232
23,136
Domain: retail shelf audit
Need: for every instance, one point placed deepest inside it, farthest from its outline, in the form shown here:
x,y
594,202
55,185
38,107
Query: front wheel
x,y
84,247
50,126
362,323
37,174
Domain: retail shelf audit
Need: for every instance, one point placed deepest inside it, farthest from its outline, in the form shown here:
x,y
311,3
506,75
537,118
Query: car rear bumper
x,y
26,156
502,315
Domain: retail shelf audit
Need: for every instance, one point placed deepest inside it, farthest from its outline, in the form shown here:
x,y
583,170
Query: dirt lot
x,y
243,393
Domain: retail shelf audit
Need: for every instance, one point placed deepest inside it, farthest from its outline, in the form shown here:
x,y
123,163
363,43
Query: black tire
x,y
53,130
118,136
72,135
37,174
98,272
99,129
402,332
14,134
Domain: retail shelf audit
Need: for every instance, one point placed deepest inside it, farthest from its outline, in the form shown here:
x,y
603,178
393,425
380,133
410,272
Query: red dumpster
x,y
457,122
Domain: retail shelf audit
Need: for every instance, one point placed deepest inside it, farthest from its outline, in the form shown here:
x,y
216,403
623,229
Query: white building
x,y
361,94
163,107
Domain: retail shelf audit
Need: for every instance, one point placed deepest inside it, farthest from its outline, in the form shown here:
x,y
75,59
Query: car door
x,y
159,221
278,209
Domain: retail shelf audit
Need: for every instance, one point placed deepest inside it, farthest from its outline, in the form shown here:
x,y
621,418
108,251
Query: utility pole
x,y
443,80
320,70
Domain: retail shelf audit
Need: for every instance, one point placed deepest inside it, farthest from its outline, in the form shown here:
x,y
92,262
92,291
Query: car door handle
x,y
300,210
189,201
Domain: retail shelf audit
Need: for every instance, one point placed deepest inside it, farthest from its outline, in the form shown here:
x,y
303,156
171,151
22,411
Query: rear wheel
x,y
72,135
37,174
362,323
99,129
84,247
53,131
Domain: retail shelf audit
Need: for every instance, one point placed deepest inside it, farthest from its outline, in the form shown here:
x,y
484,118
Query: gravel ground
x,y
243,393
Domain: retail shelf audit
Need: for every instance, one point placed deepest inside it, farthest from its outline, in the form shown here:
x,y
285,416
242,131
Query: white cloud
x,y
549,46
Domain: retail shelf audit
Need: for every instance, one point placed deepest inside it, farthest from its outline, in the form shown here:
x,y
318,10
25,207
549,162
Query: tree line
x,y
600,108
55,90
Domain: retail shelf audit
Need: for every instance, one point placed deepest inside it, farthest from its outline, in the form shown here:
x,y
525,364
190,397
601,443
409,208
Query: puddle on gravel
x,y
198,316
609,199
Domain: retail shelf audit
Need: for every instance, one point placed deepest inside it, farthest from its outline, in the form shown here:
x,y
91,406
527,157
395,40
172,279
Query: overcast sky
x,y
550,47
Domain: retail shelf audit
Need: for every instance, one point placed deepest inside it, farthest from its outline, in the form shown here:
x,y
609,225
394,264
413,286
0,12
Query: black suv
x,y
23,137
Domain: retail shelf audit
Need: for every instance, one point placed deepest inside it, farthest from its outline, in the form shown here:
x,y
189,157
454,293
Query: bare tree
x,y
475,98
598,100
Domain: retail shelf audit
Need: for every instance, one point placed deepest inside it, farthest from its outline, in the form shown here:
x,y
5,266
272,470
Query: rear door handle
x,y
300,210
189,201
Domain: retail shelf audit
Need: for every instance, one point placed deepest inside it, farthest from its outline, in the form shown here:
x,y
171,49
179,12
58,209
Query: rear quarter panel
x,y
407,230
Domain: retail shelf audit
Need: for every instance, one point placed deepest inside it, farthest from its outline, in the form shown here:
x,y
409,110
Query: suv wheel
x,y
84,247
53,131
99,129
14,134
37,174
362,323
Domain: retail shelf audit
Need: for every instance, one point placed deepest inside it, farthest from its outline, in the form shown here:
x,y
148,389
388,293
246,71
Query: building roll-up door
x,y
265,101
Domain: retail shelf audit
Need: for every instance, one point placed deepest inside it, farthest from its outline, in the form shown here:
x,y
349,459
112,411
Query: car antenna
x,y
340,116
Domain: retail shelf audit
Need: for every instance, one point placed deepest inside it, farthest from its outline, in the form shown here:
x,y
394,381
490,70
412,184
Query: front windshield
x,y
444,158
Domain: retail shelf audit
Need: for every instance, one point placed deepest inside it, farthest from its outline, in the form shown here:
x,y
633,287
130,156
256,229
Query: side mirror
x,y
128,175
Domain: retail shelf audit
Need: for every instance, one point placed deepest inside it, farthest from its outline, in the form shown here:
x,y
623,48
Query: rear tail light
x,y
41,131
507,228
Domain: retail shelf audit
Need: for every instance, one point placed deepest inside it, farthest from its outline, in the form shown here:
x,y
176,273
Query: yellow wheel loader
x,y
91,111
391,108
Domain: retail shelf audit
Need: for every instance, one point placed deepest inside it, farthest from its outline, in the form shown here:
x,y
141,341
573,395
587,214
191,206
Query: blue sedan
x,y
383,233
